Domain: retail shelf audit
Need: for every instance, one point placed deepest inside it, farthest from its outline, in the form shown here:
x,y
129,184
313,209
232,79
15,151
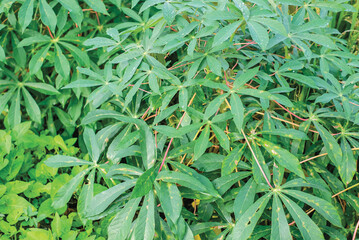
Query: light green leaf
x,y
248,220
169,12
48,15
307,227
280,229
145,224
91,144
25,14
65,161
64,194
232,159
224,33
42,88
259,34
201,143
62,65
214,65
120,226
145,183
104,199
221,137
326,209
244,198
331,146
289,133
214,105
282,156
237,110
347,167
97,6
31,106
171,201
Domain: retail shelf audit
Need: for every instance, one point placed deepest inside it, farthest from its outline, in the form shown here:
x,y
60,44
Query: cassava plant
x,y
204,119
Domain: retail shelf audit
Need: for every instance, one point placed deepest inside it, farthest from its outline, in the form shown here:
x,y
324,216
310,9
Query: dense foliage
x,y
179,119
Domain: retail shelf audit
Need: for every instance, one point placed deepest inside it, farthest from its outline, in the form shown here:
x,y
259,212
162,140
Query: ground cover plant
x,y
179,119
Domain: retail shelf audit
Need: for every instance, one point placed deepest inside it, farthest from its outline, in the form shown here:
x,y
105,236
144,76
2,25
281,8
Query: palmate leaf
x,y
307,227
64,194
145,224
102,200
120,226
145,182
332,147
323,207
280,229
65,161
171,201
244,198
248,220
283,157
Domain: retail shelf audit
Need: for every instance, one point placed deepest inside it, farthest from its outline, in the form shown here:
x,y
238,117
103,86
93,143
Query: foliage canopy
x,y
178,119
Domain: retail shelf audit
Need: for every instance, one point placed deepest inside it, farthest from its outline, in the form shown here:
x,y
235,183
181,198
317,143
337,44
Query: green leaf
x,y
223,183
214,105
289,133
83,83
86,195
14,111
42,88
31,106
104,199
120,226
48,15
243,78
64,194
244,198
319,39
214,65
248,220
201,143
221,137
145,182
331,146
74,9
171,201
301,78
80,55
347,168
259,34
282,156
38,39
224,33
182,179
145,224
65,161
91,144
62,65
326,209
237,110
280,229
244,9
25,14
232,159
4,99
123,169
97,6
274,25
2,54
169,12
203,179
307,227
38,59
